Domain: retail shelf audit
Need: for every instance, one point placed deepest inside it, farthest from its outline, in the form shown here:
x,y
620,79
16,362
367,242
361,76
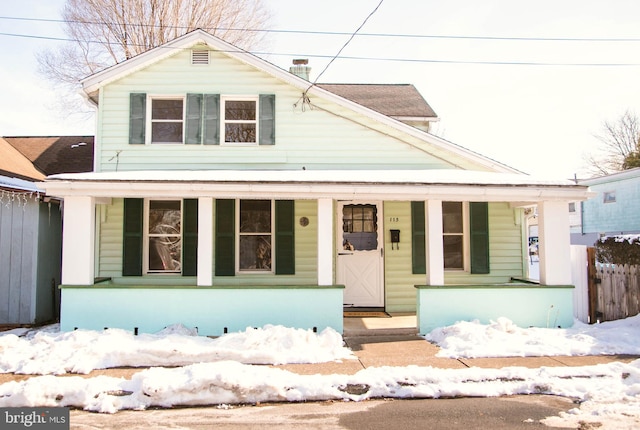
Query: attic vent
x,y
199,57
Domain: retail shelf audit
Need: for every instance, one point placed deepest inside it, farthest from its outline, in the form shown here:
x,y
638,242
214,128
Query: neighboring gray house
x,y
613,210
31,224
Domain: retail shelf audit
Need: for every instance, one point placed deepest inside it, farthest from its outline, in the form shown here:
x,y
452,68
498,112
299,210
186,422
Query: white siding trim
x,y
434,243
78,236
205,242
554,243
325,242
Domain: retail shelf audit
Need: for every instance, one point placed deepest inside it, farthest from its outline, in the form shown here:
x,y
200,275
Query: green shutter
x,y
225,238
418,239
190,237
137,114
285,238
267,119
479,237
193,135
211,119
132,240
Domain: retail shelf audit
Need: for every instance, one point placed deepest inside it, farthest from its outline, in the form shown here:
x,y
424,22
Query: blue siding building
x,y
613,210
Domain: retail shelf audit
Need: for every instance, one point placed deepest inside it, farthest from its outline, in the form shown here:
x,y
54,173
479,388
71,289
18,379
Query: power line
x,y
346,43
339,33
358,58
32,36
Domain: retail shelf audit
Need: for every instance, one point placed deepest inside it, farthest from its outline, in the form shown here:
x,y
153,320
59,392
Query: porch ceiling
x,y
387,185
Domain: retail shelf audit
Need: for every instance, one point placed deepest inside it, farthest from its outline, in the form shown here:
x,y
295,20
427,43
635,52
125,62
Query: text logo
x,y
34,418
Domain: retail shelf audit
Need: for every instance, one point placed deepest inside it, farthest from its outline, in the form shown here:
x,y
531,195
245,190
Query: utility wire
x,y
346,43
339,33
357,58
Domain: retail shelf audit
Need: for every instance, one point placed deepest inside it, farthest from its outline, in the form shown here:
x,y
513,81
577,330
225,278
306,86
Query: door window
x,y
359,227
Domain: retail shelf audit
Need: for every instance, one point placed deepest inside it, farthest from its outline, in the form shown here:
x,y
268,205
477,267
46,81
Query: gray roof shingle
x,y
394,100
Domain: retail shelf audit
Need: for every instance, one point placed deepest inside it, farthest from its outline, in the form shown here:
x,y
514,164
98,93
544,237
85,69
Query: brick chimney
x,y
301,68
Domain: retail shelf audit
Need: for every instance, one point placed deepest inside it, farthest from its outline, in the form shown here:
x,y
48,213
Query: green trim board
x,y
104,284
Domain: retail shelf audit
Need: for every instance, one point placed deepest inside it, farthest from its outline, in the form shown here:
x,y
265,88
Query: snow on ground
x,y
81,351
502,338
606,393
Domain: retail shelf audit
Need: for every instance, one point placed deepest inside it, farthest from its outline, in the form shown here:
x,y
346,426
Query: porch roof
x,y
312,184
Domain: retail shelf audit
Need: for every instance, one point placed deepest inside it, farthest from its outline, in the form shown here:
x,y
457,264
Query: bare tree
x,y
107,32
620,146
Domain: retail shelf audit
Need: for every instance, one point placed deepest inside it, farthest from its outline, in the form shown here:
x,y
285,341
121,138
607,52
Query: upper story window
x,y
202,119
572,207
609,197
167,120
239,121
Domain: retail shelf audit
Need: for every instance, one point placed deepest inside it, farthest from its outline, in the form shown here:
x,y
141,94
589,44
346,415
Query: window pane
x,y
240,133
236,110
452,217
453,252
165,253
167,132
255,216
359,218
166,109
609,197
255,252
164,217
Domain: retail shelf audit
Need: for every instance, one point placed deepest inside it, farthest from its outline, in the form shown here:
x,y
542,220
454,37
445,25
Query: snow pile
x,y
631,238
504,339
606,390
81,351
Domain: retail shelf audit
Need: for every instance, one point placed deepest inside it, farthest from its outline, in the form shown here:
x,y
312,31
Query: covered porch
x,y
215,305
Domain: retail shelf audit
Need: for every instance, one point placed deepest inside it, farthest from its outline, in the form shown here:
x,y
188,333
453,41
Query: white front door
x,y
359,264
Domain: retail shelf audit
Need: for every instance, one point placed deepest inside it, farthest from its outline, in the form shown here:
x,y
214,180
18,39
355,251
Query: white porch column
x,y
78,239
434,251
325,242
554,246
205,241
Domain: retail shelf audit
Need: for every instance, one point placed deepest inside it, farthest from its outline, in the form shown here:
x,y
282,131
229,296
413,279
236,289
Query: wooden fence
x,y
614,290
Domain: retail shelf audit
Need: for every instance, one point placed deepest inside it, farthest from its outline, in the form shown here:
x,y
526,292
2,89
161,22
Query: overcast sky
x,y
532,104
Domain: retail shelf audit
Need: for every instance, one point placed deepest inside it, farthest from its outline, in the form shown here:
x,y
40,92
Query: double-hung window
x,y
239,123
202,119
465,237
453,232
167,119
164,236
255,235
609,197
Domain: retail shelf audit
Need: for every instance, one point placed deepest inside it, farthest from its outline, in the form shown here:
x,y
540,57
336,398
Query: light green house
x,y
228,193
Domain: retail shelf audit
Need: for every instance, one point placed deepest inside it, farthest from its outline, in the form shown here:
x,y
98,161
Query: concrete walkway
x,y
394,342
